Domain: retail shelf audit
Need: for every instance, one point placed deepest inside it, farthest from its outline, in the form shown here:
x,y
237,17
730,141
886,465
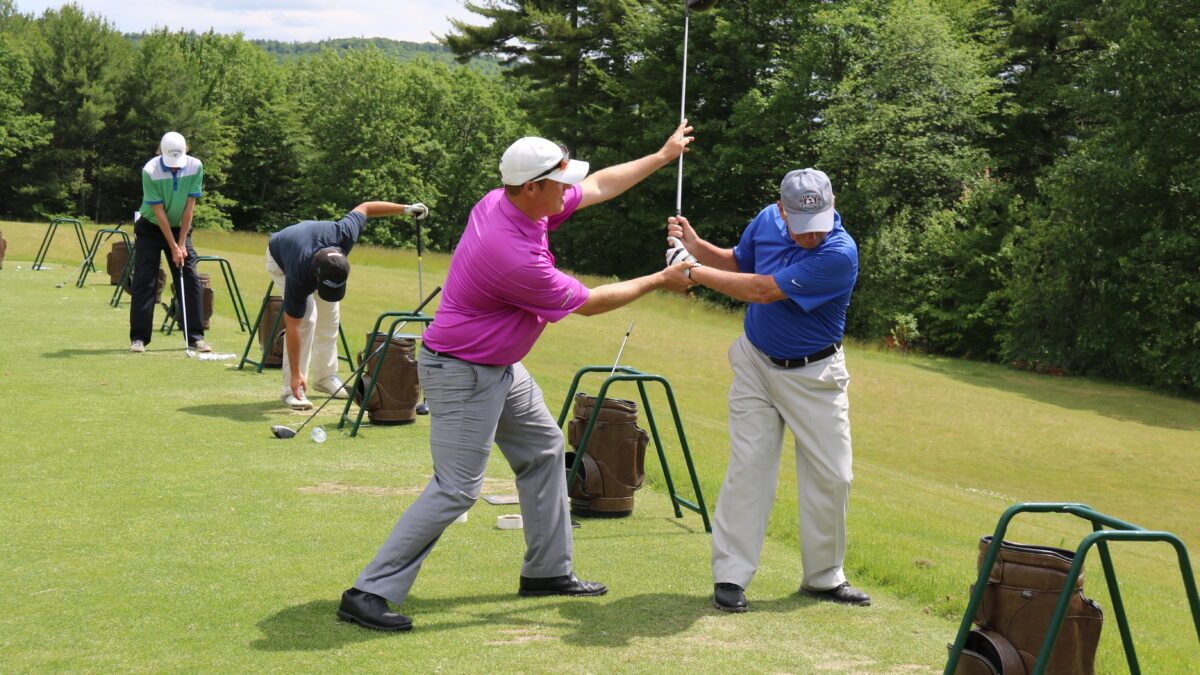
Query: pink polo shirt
x,y
503,288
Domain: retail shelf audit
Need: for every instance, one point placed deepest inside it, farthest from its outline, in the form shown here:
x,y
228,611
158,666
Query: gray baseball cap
x,y
807,199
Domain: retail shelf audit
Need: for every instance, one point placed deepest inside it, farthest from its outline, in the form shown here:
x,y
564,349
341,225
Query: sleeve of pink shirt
x,y
542,289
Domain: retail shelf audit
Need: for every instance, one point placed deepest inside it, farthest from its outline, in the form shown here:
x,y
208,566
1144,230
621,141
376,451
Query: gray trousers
x,y
470,406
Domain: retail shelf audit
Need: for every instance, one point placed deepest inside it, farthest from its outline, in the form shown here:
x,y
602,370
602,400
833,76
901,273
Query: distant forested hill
x,y
402,51
290,52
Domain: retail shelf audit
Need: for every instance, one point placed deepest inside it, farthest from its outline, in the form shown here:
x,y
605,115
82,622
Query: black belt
x,y
805,360
448,355
429,349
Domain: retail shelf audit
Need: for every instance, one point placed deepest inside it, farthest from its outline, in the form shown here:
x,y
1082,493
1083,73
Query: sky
x,y
284,20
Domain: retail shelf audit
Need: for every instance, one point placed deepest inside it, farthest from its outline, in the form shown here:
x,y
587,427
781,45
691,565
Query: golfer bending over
x,y
500,293
796,266
311,256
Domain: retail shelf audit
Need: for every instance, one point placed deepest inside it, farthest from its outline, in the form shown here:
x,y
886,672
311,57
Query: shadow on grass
x,y
241,412
313,626
72,353
1118,401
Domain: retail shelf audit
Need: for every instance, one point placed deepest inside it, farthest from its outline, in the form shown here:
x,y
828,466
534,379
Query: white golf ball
x,y
318,434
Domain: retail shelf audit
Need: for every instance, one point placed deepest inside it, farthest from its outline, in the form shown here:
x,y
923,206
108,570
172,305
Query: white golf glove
x,y
677,253
419,210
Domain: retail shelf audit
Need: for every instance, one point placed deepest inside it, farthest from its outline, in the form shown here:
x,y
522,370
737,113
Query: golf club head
x,y
283,432
701,5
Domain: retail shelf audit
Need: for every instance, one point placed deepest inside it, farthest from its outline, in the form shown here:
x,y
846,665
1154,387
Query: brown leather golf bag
x,y
397,391
274,357
1018,604
613,467
206,300
118,257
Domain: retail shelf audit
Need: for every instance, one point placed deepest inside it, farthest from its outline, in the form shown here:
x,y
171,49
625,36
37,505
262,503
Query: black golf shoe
x,y
564,585
729,598
844,594
371,611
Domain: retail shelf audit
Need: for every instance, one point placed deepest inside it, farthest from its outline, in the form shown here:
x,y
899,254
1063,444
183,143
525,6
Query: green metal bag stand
x,y
97,241
262,359
352,386
47,238
1099,537
633,375
235,296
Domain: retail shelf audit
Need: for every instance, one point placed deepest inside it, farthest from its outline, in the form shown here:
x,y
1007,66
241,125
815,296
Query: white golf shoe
x,y
332,385
297,403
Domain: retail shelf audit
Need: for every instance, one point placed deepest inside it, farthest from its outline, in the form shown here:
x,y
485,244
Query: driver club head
x,y
283,432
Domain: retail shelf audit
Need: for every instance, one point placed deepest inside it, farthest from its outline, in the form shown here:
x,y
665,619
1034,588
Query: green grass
x,y
151,521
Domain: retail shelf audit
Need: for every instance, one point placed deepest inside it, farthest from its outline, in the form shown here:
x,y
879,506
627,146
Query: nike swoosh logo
x,y
796,284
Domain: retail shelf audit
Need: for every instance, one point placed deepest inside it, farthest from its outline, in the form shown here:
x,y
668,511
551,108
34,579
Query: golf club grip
x,y
428,298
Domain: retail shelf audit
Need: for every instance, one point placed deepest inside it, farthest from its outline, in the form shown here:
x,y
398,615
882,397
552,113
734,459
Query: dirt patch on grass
x,y
490,486
518,636
332,488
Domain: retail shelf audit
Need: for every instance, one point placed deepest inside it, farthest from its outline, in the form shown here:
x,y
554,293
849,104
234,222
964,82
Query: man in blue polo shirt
x,y
796,266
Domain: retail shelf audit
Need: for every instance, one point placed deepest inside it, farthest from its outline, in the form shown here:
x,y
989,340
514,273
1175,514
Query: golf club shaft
x,y
367,360
420,271
76,270
687,13
183,310
622,349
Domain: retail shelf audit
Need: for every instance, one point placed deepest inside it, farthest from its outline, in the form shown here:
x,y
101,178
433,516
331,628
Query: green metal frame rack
x,y
48,238
352,386
628,374
1122,531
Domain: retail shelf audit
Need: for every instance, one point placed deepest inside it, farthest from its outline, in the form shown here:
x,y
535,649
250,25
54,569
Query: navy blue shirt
x,y
817,283
293,249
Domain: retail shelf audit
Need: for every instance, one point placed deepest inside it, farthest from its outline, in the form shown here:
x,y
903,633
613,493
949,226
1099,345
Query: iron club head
x,y
283,432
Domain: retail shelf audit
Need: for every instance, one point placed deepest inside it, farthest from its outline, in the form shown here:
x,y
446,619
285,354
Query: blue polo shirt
x,y
293,249
817,283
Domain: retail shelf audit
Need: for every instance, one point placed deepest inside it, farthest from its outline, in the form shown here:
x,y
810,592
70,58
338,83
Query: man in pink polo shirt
x,y
501,292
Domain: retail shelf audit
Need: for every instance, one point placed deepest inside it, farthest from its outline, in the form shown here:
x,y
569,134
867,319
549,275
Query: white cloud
x,y
286,20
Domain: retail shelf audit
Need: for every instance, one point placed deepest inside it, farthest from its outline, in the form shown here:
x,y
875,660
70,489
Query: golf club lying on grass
x,y
77,270
285,432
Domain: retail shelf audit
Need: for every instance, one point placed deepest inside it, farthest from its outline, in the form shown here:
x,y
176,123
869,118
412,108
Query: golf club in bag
x,y
689,7
285,432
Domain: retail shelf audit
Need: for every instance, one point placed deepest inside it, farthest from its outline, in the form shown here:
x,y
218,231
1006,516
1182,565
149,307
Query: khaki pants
x,y
812,402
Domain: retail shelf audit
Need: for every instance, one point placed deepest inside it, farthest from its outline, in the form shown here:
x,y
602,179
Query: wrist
x,y
688,271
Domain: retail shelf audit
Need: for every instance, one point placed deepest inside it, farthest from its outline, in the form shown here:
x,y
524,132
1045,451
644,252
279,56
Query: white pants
x,y
318,335
813,403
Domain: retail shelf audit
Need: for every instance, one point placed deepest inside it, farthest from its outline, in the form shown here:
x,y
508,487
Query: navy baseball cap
x,y
331,268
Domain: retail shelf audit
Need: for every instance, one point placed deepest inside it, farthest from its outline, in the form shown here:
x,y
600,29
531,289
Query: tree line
x,y
1021,175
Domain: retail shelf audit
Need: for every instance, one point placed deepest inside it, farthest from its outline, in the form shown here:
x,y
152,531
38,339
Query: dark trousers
x,y
148,248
